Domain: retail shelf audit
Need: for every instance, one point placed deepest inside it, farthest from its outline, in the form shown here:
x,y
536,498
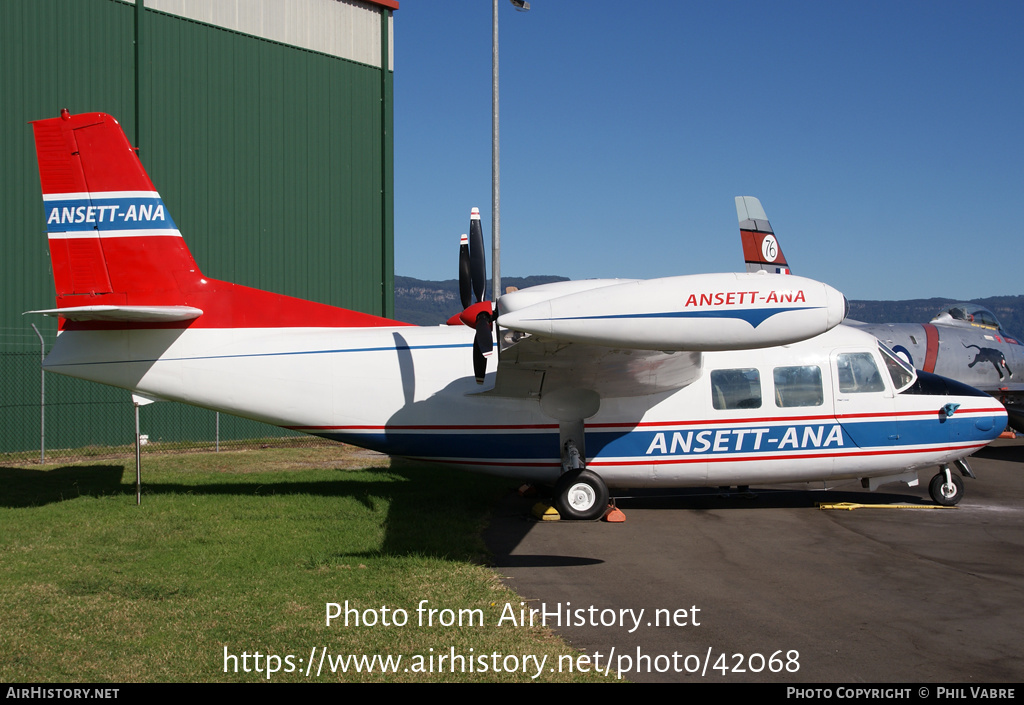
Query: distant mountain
x,y
429,303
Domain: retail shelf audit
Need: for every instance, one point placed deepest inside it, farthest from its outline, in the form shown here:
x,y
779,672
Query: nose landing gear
x,y
946,488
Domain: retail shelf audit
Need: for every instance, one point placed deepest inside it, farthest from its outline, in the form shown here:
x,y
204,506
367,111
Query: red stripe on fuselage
x,y
931,352
751,458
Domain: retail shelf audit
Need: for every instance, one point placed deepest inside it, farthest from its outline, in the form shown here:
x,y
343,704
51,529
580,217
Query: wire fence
x,y
55,419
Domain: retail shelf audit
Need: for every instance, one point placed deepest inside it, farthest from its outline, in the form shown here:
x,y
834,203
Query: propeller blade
x,y
483,346
477,259
483,338
465,278
479,364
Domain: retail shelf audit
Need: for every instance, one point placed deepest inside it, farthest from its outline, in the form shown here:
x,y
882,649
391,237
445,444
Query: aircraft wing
x,y
534,365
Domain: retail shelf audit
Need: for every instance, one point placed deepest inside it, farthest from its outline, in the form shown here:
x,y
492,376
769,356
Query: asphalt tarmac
x,y
769,588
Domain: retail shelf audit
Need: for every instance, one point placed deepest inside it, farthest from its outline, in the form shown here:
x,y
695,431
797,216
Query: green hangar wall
x,y
265,125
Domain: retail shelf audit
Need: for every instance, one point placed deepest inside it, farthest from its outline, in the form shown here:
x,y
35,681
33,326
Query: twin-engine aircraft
x,y
690,381
964,341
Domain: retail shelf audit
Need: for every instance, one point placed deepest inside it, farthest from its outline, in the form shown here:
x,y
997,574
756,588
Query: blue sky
x,y
884,139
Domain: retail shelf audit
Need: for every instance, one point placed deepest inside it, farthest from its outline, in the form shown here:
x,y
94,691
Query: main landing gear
x,y
579,493
946,488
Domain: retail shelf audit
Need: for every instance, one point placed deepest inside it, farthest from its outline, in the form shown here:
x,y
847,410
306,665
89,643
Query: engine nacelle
x,y
696,312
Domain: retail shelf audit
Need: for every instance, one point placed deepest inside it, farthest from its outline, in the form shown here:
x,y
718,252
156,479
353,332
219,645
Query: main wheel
x,y
946,493
582,495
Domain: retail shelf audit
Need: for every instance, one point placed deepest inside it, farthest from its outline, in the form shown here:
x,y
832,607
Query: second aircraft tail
x,y
761,250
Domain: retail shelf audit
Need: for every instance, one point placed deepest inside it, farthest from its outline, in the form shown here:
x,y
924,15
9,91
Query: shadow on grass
x,y
431,510
33,487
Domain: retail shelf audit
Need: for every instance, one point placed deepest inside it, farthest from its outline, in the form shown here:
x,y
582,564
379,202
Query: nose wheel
x,y
946,488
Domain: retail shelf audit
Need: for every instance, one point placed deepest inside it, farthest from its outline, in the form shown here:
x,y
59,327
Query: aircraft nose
x,y
998,419
969,411
993,417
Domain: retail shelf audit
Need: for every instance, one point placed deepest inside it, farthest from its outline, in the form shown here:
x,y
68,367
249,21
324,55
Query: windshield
x,y
900,371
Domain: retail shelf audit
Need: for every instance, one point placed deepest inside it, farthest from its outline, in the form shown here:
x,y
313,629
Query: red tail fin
x,y
115,249
112,240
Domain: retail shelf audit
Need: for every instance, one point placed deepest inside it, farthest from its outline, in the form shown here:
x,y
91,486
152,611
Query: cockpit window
x,y
900,371
736,389
858,373
973,314
985,318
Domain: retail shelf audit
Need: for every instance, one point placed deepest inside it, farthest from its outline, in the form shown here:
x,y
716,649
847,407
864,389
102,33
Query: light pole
x,y
522,6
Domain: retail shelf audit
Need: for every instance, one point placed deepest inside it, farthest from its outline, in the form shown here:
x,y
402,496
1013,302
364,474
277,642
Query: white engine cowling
x,y
695,312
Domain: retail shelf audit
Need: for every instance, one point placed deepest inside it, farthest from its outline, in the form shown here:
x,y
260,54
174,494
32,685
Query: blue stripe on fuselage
x,y
716,440
753,316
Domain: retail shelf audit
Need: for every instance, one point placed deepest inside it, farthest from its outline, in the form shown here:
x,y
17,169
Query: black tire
x,y
946,494
581,495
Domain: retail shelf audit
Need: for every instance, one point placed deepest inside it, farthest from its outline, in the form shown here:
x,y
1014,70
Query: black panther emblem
x,y
990,355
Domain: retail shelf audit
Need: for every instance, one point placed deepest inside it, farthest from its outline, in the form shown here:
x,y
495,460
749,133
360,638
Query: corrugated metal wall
x,y
274,161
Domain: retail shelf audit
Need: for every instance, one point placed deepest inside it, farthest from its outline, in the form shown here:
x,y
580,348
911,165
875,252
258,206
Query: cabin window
x,y
858,373
736,389
798,386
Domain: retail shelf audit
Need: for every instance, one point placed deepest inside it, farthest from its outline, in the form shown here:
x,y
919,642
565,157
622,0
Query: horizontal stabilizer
x,y
140,314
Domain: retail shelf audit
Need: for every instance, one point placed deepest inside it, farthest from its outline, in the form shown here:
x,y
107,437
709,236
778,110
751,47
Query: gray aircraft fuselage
x,y
980,353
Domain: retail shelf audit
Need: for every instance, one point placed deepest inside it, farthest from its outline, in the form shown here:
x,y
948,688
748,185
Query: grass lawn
x,y
237,553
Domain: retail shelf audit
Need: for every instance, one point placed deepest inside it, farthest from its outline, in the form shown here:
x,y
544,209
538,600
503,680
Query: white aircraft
x,y
964,341
707,380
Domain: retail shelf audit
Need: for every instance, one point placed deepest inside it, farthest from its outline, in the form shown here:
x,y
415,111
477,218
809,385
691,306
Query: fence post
x,y
42,397
138,457
137,401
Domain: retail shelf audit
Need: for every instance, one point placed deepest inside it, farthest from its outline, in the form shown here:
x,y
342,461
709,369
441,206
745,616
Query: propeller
x,y
472,283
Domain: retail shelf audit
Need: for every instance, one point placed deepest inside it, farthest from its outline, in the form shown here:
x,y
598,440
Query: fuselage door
x,y
864,400
803,400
